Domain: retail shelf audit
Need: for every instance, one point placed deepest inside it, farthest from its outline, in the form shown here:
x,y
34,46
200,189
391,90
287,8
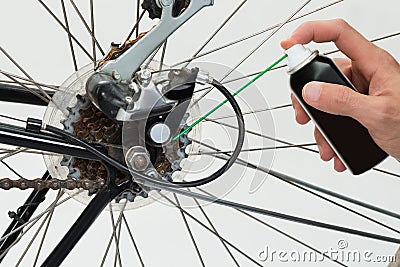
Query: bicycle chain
x,y
54,184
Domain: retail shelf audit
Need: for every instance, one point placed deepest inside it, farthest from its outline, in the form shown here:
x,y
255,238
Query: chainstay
x,y
54,184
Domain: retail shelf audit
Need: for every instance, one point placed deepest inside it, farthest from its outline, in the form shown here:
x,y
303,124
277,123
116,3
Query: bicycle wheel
x,y
307,214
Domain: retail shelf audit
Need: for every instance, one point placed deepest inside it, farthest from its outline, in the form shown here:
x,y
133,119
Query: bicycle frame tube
x,y
23,214
83,223
17,94
18,136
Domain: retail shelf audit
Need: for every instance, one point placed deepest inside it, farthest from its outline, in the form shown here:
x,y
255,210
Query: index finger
x,y
347,39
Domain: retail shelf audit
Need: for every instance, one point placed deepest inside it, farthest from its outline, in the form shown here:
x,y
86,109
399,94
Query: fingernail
x,y
312,91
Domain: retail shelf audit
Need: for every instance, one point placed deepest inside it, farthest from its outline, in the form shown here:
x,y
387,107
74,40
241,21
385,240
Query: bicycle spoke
x,y
10,154
215,231
24,72
20,237
249,213
11,169
11,118
46,219
136,26
253,112
31,82
65,29
290,144
14,152
255,49
215,32
210,230
87,27
373,41
262,135
51,209
291,180
107,250
114,226
189,231
284,66
386,172
28,151
153,55
119,227
281,216
133,240
45,231
71,46
93,33
296,240
210,153
113,234
35,219
164,49
46,100
253,35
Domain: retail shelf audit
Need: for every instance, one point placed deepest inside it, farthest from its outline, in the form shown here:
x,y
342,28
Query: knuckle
x,y
341,23
388,109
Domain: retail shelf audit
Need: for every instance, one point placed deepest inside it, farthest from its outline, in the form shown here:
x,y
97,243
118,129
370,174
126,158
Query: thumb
x,y
337,99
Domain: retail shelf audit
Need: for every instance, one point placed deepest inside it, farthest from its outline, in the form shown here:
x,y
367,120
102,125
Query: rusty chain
x,y
54,184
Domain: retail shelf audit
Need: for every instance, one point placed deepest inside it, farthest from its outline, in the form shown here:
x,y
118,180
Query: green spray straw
x,y
226,100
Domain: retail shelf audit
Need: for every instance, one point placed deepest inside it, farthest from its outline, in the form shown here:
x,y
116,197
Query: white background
x,y
32,37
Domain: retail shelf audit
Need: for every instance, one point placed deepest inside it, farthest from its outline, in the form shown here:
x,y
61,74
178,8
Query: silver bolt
x,y
140,162
116,75
128,100
138,158
145,76
166,3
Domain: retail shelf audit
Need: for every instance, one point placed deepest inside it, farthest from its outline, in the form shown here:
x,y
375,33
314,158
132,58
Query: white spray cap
x,y
297,56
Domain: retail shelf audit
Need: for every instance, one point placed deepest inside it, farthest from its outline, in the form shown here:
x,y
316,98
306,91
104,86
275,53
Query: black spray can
x,y
349,139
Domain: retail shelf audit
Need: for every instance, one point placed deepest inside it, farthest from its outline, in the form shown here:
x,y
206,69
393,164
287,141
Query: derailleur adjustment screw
x,y
166,3
116,75
144,77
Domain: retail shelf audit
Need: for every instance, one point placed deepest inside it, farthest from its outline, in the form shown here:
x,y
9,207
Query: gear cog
x,y
88,123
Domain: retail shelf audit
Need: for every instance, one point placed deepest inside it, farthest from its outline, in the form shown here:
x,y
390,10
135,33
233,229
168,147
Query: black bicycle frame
x,y
18,136
23,214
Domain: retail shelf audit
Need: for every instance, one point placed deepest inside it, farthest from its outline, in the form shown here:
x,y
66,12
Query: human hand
x,y
372,70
